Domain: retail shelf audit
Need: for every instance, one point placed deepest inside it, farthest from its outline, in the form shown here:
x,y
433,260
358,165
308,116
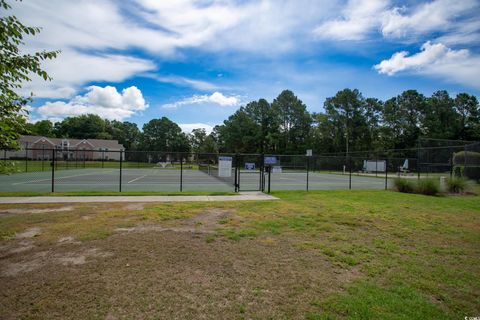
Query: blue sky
x,y
196,62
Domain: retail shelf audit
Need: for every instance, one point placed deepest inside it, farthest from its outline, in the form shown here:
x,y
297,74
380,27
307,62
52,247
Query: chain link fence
x,y
58,170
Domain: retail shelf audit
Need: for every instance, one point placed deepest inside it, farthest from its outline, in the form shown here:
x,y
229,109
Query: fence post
x,y
418,159
235,178
260,175
103,157
181,173
261,169
120,178
350,172
386,173
53,170
237,166
269,175
308,169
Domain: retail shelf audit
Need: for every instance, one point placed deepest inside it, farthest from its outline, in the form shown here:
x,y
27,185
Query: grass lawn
x,y
311,255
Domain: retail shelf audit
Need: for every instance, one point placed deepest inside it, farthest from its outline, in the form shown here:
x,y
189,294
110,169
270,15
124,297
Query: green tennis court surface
x,y
169,180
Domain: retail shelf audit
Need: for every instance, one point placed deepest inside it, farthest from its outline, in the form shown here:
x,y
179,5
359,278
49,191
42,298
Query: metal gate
x,y
250,172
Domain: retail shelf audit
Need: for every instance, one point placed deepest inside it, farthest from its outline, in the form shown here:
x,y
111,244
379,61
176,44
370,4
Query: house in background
x,y
41,148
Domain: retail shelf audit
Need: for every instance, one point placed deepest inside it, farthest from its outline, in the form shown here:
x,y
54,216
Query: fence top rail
x,y
352,154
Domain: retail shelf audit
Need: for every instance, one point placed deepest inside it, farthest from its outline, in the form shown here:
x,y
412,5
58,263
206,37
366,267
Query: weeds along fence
x,y
83,170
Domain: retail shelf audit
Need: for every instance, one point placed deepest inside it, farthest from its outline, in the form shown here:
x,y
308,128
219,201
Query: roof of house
x,y
96,143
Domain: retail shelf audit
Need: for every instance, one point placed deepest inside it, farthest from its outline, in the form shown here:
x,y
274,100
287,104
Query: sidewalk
x,y
242,196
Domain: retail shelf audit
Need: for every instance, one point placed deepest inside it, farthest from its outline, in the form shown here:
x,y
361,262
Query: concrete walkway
x,y
242,196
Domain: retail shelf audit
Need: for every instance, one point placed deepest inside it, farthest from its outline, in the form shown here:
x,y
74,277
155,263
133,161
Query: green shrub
x,y
457,184
458,171
403,185
429,187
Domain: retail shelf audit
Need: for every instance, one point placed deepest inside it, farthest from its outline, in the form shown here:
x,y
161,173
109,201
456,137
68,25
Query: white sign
x,y
225,167
277,169
250,166
309,152
270,160
374,165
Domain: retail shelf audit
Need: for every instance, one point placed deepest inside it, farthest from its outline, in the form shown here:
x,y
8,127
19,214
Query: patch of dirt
x,y
206,222
34,210
76,258
169,275
348,275
67,240
134,206
29,233
24,245
15,263
34,262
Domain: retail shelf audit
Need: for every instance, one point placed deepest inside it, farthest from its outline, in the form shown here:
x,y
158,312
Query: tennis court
x,y
324,181
172,180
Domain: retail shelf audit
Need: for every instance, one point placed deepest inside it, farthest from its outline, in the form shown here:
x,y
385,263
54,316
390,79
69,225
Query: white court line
x,y
138,178
50,179
106,184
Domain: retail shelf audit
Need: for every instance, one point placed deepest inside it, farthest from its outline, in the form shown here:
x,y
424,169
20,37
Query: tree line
x,y
349,122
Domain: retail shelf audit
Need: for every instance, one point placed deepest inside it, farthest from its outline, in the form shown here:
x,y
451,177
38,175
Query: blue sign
x,y
249,166
270,160
224,158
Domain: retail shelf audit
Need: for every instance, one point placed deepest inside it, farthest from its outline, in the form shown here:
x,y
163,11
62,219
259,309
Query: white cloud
x,y
184,81
466,32
88,31
255,25
460,66
435,16
72,69
215,98
106,102
163,27
358,18
188,127
102,40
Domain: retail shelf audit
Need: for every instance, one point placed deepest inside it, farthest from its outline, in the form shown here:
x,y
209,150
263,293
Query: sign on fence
x,y
250,166
374,165
270,160
225,167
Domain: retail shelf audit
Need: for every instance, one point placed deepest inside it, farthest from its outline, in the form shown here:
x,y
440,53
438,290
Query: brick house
x,y
38,148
